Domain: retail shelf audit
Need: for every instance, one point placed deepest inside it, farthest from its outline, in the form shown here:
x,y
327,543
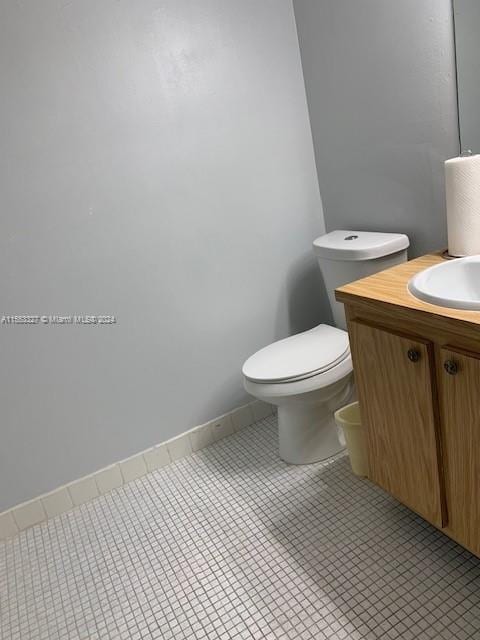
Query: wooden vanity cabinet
x,y
417,370
395,378
420,405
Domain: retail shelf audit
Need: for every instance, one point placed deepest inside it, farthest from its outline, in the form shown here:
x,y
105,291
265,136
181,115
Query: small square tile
x,y
83,490
133,468
28,514
201,437
323,555
242,417
157,457
57,502
8,526
109,478
179,447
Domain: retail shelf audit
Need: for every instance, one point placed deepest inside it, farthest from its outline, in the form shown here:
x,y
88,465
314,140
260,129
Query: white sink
x,y
454,284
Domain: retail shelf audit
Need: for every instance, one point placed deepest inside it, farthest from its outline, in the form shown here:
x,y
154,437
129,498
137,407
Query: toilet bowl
x,y
309,376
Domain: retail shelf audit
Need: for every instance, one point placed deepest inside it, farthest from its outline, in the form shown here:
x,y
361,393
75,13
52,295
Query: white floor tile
x,y
231,543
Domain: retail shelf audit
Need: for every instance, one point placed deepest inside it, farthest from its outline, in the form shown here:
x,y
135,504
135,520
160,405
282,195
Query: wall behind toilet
x,y
380,81
157,164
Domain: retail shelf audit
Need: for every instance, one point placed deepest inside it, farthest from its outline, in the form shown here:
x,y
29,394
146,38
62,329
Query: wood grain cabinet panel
x,y
459,383
395,377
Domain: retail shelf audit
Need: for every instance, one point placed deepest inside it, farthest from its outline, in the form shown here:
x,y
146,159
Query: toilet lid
x,y
301,356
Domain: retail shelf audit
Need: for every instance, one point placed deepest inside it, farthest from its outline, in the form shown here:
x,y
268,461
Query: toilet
x,y
308,376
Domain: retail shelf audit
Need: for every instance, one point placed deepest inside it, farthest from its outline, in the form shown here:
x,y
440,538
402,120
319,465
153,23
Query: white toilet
x,y
309,375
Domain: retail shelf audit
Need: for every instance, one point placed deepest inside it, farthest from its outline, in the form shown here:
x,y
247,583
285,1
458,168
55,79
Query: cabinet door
x,y
395,377
459,375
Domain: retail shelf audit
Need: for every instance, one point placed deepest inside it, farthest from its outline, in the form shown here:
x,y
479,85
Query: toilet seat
x,y
276,392
299,357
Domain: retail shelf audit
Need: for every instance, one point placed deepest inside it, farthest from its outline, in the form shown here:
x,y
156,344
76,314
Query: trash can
x,y
348,418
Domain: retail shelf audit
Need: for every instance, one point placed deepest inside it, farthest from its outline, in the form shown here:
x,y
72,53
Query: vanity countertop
x,y
388,289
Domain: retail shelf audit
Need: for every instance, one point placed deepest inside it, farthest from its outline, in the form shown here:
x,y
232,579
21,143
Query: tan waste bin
x,y
348,418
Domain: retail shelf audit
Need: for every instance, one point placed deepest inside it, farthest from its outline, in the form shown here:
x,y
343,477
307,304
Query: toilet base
x,y
307,433
306,424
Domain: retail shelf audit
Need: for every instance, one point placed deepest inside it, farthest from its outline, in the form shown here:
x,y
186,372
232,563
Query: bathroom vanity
x,y
417,370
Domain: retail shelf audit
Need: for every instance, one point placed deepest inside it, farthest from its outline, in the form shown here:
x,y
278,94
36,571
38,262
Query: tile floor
x,y
233,543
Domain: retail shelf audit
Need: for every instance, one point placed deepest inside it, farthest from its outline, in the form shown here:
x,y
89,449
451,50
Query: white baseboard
x,y
54,503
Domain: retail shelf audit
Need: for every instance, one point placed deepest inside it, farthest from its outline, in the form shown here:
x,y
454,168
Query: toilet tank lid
x,y
359,245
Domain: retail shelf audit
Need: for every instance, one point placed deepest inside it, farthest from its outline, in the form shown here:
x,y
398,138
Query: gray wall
x,y
156,164
381,92
467,28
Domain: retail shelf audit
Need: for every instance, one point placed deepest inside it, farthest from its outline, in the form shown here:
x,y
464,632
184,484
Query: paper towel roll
x,y
462,186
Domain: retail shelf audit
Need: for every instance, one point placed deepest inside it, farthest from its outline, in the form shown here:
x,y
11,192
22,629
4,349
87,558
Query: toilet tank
x,y
345,256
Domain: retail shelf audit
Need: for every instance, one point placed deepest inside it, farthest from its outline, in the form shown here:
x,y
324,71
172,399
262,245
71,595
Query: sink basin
x,y
454,283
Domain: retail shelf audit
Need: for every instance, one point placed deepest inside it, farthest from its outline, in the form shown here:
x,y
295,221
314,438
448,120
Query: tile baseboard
x,y
73,494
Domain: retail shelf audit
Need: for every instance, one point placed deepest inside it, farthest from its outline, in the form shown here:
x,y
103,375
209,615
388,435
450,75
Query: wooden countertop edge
x,y
386,307
356,299
373,291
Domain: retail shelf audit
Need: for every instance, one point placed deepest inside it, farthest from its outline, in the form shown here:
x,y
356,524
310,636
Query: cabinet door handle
x,y
413,355
450,367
